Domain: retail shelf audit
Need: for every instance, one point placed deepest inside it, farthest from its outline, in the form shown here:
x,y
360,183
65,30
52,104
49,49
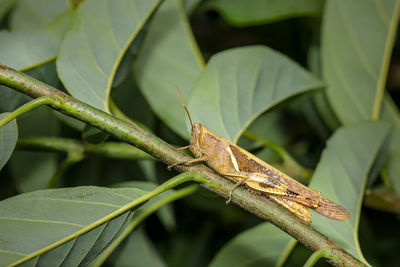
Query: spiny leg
x,y
234,187
188,162
241,175
183,148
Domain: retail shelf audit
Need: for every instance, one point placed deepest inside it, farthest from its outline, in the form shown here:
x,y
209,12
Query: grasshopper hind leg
x,y
233,189
243,177
297,209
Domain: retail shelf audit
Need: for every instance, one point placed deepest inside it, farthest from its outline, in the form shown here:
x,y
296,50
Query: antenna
x,y
183,103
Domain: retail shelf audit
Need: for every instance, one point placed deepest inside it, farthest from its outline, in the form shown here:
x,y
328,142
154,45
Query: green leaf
x,y
241,83
32,170
37,29
8,139
23,50
263,245
129,103
138,251
11,99
101,32
341,176
277,131
393,167
355,65
32,15
70,121
391,113
190,5
169,56
255,12
58,226
320,102
355,61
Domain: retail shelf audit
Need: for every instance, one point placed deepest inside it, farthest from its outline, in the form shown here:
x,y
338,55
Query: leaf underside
x,y
8,139
101,32
50,233
241,83
341,176
259,246
355,63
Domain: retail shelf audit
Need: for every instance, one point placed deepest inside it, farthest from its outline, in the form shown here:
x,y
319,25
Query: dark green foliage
x,y
302,85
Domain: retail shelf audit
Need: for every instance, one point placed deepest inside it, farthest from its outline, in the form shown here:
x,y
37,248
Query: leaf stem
x,y
322,253
45,100
115,150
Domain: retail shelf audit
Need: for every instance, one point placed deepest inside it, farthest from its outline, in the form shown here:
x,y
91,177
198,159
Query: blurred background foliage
x,y
170,45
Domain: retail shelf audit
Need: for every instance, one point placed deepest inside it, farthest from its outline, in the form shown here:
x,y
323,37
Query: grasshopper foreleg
x,y
183,148
188,162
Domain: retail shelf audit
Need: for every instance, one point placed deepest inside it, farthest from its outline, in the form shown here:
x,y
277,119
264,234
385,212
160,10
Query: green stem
x,y
141,216
184,177
115,150
45,100
322,253
286,157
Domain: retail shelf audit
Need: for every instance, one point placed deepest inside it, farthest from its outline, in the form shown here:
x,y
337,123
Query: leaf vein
x,y
40,221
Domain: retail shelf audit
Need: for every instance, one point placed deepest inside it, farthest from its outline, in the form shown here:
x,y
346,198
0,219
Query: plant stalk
x,y
116,150
322,253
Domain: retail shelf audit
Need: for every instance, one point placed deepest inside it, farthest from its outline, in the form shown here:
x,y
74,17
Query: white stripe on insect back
x,y
233,159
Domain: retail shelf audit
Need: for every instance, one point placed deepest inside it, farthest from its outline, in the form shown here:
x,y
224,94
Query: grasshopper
x,y
243,168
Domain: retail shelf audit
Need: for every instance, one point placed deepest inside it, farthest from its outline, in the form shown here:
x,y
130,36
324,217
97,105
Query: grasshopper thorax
x,y
196,139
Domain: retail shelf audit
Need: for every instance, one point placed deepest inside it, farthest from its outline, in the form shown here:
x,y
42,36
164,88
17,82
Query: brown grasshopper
x,y
241,167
